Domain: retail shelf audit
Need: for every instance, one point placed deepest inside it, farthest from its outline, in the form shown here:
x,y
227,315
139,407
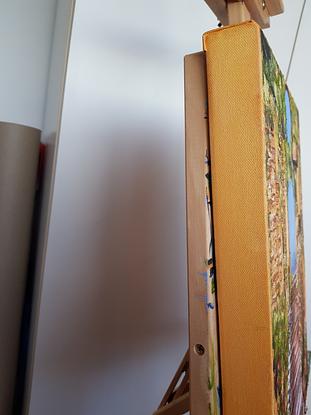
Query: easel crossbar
x,y
176,400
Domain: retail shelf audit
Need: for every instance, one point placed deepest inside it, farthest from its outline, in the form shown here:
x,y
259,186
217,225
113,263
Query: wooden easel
x,y
185,391
235,11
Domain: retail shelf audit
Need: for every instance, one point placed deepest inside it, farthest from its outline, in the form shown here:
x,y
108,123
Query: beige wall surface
x,y
113,317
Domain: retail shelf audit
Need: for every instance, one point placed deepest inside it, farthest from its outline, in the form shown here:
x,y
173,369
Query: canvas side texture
x,y
238,166
256,184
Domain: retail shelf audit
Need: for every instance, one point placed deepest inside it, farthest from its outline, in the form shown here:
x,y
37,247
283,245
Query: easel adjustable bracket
x,y
235,11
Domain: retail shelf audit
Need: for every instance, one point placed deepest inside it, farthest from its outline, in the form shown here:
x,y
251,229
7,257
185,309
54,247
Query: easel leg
x,y
176,400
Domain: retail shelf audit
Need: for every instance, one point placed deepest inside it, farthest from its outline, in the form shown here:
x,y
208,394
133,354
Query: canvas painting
x,y
290,363
253,129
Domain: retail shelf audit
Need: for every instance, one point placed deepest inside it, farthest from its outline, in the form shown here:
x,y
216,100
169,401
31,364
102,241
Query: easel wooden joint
x,y
237,11
185,393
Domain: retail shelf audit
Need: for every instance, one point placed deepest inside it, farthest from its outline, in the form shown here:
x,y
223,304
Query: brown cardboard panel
x,y
19,150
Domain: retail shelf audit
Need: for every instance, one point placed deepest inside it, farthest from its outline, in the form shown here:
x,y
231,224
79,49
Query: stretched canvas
x,y
258,228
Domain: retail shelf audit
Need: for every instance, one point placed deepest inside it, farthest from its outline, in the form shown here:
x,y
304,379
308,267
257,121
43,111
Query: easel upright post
x,y
237,12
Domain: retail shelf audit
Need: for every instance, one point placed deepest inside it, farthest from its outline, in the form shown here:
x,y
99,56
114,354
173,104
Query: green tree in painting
x,y
285,238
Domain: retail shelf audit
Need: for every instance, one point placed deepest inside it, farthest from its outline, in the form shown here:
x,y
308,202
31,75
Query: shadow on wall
x,y
119,322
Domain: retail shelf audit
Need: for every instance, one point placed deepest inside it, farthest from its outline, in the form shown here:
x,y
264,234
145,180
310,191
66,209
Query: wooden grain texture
x,y
204,377
178,385
237,12
177,407
259,10
275,7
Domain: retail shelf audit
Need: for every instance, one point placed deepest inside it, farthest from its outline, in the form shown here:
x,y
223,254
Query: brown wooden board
x,y
275,7
203,342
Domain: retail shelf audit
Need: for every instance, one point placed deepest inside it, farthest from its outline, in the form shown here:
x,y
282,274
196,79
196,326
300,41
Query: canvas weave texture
x,y
258,227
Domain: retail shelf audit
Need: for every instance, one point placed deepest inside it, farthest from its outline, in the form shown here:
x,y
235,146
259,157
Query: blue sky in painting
x,y
291,197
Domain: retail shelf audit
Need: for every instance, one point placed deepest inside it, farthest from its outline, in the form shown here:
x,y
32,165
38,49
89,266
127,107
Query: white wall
x,y
26,29
60,39
113,317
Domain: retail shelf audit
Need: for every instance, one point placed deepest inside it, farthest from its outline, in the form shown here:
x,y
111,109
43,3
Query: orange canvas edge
x,y
231,84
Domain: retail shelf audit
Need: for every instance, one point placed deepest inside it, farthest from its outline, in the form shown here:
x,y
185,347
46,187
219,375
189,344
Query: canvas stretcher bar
x,y
203,339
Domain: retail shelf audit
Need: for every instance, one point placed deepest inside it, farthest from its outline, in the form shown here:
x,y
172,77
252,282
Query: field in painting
x,y
286,240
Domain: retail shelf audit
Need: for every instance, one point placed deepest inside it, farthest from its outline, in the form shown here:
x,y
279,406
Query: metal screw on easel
x,y
199,349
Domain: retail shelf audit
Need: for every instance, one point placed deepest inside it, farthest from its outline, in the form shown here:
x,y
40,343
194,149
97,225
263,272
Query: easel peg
x,y
237,12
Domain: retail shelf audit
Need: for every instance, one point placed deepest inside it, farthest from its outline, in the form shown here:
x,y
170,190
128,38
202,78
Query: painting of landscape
x,y
287,271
